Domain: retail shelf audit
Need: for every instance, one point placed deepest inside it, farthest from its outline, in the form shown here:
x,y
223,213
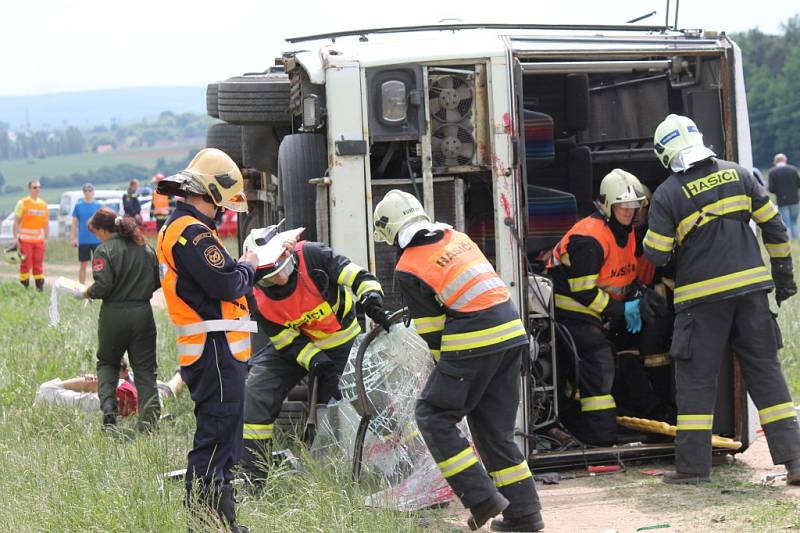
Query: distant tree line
x,y
772,78
115,173
39,144
168,127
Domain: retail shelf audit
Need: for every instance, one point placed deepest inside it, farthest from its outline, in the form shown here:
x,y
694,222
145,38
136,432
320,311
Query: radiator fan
x,y
450,98
452,145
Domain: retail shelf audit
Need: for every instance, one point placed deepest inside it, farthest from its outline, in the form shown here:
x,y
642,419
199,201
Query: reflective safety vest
x,y
33,221
464,282
160,205
619,264
645,270
190,327
306,311
455,268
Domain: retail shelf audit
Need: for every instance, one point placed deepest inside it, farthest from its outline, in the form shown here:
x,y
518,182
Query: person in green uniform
x,y
125,272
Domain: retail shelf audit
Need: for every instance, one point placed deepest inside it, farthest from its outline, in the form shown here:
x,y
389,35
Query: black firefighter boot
x,y
39,284
485,510
25,283
682,478
531,522
226,508
793,472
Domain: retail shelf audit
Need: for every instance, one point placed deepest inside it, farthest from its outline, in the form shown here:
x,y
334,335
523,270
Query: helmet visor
x,y
630,204
237,203
268,278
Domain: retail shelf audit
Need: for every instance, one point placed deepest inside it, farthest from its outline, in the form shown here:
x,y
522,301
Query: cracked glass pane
x,y
395,459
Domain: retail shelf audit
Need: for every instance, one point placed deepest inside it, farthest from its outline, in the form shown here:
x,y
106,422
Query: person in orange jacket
x,y
31,231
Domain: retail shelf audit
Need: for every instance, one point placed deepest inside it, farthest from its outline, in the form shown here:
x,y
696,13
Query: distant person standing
x,y
784,183
81,237
31,230
130,201
160,205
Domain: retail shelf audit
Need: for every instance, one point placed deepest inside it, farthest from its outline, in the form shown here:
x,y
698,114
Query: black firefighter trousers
x,y
485,389
271,378
703,335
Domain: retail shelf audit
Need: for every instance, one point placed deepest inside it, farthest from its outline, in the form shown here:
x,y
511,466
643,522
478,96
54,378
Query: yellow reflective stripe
x,y
777,412
340,337
656,359
483,337
583,283
719,284
600,301
765,212
570,304
348,274
510,475
659,242
429,324
731,204
182,240
437,354
367,286
695,422
284,338
306,354
598,403
258,431
458,463
783,249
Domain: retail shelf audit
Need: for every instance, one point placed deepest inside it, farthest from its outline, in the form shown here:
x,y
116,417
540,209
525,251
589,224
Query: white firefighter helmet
x,y
678,143
212,172
619,187
396,210
258,237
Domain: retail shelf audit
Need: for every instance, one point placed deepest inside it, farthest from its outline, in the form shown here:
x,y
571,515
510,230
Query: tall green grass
x,y
59,471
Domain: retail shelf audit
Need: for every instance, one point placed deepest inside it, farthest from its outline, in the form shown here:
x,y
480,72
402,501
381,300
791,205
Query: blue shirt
x,y
83,212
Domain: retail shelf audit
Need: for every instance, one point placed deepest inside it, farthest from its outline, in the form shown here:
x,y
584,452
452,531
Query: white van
x,y
70,198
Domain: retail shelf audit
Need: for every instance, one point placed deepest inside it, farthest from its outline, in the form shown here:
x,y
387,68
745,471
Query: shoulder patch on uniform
x,y
214,256
98,264
201,236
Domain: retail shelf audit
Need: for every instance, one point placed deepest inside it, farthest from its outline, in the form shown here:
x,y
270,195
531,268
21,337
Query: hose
x,y
576,370
361,391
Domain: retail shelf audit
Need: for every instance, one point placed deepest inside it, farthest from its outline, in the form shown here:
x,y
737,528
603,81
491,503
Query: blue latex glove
x,y
632,317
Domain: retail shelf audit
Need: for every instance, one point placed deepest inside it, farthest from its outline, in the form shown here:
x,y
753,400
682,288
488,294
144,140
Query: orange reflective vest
x,y
190,327
455,268
160,205
645,270
307,311
619,264
33,220
464,283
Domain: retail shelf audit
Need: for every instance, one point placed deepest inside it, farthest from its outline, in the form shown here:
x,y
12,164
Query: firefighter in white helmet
x,y
463,310
701,215
205,290
593,268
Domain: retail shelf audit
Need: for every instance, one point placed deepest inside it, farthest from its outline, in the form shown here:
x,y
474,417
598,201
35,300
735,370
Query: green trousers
x,y
128,327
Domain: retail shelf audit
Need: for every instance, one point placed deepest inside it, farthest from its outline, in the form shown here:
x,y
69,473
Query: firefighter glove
x,y
373,307
324,371
632,317
652,306
783,277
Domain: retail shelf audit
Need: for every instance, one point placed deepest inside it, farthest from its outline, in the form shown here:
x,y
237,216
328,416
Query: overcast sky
x,y
66,45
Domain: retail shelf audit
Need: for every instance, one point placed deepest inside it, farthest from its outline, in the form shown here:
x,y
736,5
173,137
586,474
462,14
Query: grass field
x,y
19,172
60,472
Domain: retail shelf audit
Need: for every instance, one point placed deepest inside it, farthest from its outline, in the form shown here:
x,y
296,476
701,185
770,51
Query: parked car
x,y
7,226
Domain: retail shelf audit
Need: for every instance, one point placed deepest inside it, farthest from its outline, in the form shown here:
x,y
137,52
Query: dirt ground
x,y
627,501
